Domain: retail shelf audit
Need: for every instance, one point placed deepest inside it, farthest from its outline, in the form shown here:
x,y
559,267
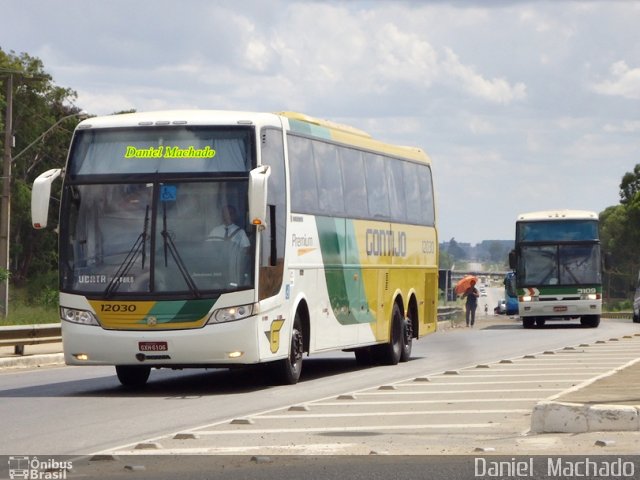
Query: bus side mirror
x,y
40,195
258,195
512,259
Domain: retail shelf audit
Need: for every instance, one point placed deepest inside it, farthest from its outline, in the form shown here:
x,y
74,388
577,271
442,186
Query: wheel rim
x,y
408,333
297,349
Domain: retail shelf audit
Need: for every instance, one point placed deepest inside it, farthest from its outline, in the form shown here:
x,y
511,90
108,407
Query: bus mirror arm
x,y
40,196
258,196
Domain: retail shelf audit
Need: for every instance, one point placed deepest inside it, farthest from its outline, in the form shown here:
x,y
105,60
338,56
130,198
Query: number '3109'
x,y
586,290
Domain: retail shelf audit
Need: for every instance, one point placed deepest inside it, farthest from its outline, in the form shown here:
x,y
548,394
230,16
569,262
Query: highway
x,y
84,410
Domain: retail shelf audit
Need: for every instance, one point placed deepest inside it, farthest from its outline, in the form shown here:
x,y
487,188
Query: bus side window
x,y
273,237
353,185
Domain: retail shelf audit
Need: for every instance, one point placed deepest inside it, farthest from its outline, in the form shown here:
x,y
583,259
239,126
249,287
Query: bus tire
x,y
287,371
407,339
364,356
590,321
390,353
528,322
539,322
133,376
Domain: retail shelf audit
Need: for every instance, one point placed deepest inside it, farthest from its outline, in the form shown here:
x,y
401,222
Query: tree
x,y
38,104
630,185
445,261
455,251
620,236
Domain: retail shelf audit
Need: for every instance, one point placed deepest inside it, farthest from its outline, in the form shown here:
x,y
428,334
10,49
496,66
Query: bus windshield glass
x,y
160,150
559,265
185,238
555,231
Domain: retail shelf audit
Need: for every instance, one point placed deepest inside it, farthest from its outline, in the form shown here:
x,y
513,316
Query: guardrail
x,y
445,313
20,335
624,315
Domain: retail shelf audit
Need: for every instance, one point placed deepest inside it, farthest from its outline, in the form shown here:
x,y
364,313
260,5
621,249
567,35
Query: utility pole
x,y
5,214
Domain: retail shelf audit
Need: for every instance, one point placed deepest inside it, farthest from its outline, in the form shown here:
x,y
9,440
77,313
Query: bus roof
x,y
557,215
297,122
180,117
345,134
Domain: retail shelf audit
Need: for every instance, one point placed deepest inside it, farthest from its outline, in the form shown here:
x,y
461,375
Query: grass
x,y
30,315
21,312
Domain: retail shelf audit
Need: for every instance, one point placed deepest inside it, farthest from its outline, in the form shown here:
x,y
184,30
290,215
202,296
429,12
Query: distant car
x,y
501,309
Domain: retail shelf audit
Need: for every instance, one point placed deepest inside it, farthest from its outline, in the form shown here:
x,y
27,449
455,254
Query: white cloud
x,y
624,82
623,127
480,125
497,90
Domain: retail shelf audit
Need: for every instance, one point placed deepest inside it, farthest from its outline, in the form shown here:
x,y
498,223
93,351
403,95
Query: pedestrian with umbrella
x,y
467,286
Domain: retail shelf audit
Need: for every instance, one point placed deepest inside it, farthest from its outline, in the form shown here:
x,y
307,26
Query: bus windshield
x,y
554,231
559,265
162,238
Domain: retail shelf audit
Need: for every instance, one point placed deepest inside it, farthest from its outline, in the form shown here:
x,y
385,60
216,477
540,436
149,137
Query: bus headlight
x,y
231,314
526,298
83,317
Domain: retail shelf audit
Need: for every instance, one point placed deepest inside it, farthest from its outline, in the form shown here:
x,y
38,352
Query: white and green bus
x,y
331,242
558,267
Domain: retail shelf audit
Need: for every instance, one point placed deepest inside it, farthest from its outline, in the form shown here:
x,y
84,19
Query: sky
x,y
521,105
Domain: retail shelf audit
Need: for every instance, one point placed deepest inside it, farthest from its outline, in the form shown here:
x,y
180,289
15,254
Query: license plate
x,y
153,346
559,309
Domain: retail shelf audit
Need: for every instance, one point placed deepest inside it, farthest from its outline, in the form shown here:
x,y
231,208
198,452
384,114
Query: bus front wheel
x,y
132,375
528,322
287,371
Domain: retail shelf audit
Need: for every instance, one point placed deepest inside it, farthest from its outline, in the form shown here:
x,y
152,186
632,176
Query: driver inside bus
x,y
228,231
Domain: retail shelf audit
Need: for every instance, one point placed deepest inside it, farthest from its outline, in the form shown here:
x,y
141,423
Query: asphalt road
x,y
82,410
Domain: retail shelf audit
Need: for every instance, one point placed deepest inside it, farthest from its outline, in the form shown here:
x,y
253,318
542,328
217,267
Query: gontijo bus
x,y
331,242
558,267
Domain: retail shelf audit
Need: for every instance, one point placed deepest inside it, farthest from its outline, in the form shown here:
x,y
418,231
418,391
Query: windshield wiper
x,y
139,245
171,248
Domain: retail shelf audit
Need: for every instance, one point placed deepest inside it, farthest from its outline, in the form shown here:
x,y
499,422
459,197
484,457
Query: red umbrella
x,y
464,283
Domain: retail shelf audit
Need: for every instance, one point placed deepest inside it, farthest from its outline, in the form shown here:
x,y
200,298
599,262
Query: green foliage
x,y
43,122
4,274
445,261
630,185
43,289
23,312
620,237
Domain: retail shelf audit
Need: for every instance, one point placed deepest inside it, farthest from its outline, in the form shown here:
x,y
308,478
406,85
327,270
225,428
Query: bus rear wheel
x,y
407,339
390,353
287,371
132,375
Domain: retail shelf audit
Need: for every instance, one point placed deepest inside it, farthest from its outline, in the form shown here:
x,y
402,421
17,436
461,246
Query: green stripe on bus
x,y
344,282
181,311
309,129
